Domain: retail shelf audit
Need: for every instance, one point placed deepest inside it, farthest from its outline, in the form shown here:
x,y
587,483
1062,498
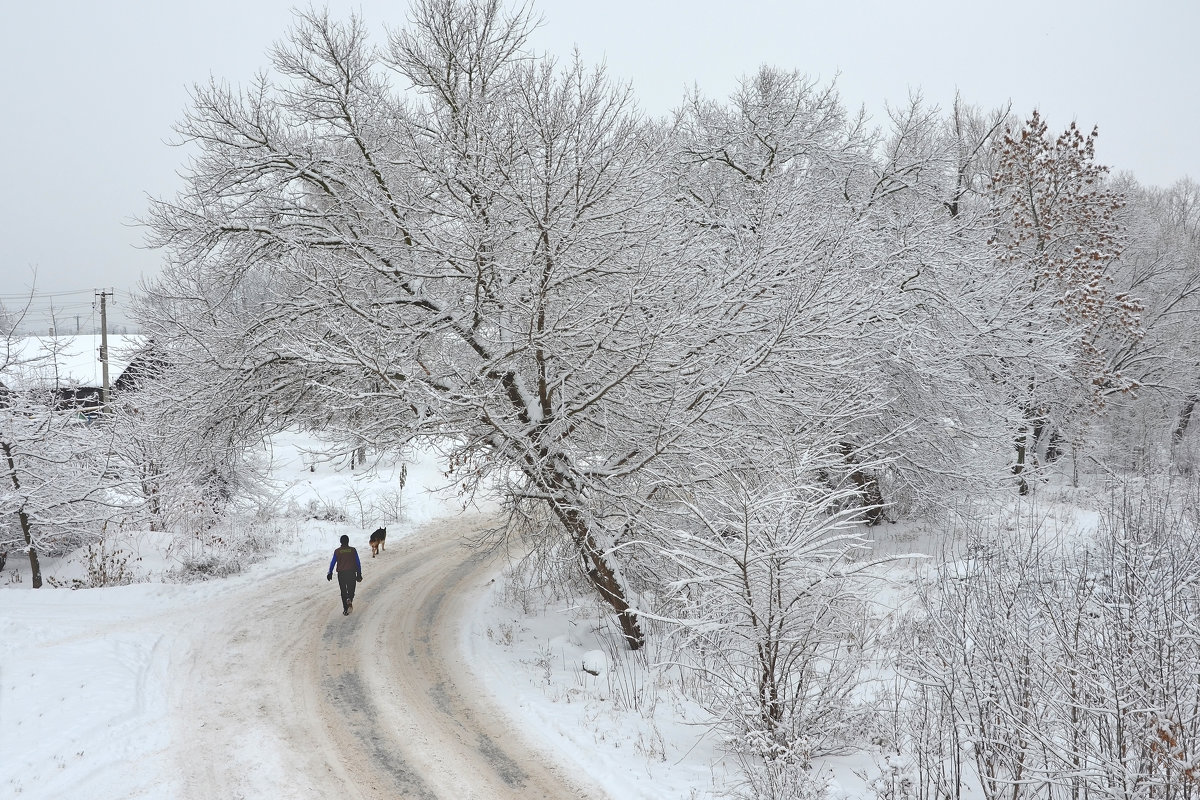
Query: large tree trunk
x,y
870,495
1018,468
1024,444
1046,439
1054,446
1185,418
1183,462
35,566
564,496
605,575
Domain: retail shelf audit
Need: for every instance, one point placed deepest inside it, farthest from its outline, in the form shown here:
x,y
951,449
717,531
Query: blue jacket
x,y
346,560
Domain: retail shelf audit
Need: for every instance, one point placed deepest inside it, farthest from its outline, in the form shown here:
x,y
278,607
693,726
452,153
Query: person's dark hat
x,y
345,539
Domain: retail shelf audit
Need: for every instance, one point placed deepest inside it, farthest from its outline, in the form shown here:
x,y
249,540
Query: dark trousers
x,y
346,582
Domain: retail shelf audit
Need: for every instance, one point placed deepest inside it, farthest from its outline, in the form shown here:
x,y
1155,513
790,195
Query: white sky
x,y
90,90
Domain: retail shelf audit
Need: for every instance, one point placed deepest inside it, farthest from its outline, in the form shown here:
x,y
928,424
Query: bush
x,y
223,553
204,567
104,567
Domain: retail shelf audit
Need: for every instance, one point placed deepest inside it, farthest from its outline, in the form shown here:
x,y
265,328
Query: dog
x,y
377,540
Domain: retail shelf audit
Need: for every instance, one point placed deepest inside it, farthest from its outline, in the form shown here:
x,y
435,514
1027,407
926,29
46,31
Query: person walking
x,y
349,572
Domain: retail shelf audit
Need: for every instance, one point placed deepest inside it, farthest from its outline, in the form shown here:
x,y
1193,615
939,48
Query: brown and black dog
x,y
377,539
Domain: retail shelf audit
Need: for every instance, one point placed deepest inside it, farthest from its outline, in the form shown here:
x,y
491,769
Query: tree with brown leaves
x,y
1056,226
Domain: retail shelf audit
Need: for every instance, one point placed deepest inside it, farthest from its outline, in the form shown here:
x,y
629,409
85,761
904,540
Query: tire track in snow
x,y
378,704
365,728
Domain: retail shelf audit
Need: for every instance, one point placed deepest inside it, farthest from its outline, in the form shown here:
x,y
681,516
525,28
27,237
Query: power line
x,y
40,295
67,312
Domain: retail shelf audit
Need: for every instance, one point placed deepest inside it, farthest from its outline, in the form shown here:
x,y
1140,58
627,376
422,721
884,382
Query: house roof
x,y
64,360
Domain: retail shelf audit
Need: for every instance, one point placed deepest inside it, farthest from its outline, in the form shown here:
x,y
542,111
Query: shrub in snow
x,y
104,565
326,511
220,553
204,567
1064,663
785,775
769,606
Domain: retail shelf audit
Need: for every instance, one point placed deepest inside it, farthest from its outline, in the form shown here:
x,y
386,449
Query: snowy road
x,y
288,698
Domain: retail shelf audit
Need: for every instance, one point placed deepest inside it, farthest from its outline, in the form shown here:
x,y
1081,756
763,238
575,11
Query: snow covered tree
x,y
769,587
1161,266
941,320
184,456
762,185
55,487
491,259
904,323
1056,226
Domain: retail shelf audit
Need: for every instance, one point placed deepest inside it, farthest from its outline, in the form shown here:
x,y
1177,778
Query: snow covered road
x,y
257,685
289,698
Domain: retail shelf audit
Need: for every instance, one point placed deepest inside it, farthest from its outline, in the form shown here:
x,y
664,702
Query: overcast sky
x,y
91,89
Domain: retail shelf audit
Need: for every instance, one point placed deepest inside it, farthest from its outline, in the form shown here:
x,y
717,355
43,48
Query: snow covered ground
x,y
91,680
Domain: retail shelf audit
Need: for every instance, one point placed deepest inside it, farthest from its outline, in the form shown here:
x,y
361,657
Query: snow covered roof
x,y
64,360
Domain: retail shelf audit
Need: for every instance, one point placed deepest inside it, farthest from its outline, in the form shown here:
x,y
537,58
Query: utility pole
x,y
103,295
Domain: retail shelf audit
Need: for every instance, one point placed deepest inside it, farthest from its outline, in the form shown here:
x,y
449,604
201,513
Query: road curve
x,y
297,700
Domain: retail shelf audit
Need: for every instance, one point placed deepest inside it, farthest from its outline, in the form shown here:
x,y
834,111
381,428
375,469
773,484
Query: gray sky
x,y
90,89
